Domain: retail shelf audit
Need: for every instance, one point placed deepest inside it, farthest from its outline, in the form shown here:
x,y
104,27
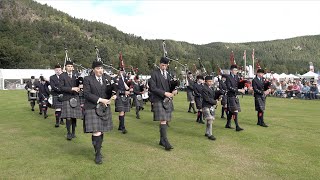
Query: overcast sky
x,y
200,22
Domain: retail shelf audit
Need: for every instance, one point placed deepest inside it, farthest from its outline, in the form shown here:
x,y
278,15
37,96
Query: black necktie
x,y
164,74
99,79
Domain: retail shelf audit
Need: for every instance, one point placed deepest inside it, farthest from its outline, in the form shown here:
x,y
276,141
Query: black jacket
x,y
43,90
66,84
223,87
191,83
232,85
93,90
158,86
55,83
208,96
258,87
198,89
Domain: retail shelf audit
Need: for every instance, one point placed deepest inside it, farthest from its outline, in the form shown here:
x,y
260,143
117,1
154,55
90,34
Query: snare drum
x,y
33,95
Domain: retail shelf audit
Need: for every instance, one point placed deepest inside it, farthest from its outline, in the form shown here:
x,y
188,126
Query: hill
x,y
34,36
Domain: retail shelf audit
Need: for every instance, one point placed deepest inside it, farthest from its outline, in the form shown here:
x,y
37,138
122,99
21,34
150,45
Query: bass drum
x,y
50,100
145,95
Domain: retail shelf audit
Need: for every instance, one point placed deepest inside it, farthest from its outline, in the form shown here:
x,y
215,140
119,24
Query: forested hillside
x,y
34,36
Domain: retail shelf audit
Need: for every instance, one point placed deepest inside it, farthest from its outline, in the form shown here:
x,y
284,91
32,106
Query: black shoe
x,y
212,137
189,111
201,122
124,131
239,129
194,112
259,124
167,145
61,122
207,135
98,158
40,113
142,108
73,135
137,117
56,125
264,125
161,143
222,117
229,127
45,116
32,109
69,136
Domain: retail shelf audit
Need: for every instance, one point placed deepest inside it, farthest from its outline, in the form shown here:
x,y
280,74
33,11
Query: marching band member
x,y
162,100
32,94
71,110
223,91
44,93
137,96
55,92
208,104
122,102
198,97
98,92
260,96
190,96
233,103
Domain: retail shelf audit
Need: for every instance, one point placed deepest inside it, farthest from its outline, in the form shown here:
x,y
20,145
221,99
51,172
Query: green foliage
x,y
34,36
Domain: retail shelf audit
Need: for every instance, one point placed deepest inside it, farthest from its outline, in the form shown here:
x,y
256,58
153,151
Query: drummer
x,y
32,93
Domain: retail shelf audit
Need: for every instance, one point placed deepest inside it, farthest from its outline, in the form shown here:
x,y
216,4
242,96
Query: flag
x,y
232,60
121,60
258,65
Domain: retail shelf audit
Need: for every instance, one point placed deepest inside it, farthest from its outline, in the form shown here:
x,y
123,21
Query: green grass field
x,y
31,148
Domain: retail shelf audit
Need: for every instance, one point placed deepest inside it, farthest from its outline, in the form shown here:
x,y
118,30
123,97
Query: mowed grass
x,y
31,148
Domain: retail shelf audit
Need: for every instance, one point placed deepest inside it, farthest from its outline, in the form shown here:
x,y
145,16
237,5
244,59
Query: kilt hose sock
x,y
57,114
97,142
163,137
229,116
68,125
235,118
74,124
121,123
32,104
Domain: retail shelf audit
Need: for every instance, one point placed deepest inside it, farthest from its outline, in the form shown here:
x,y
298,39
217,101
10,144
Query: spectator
x,y
313,91
305,91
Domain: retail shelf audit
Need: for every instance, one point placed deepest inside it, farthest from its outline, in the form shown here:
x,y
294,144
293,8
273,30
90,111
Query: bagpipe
x,y
174,82
202,68
98,58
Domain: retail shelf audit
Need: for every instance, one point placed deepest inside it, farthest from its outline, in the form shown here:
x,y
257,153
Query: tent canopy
x,y
310,75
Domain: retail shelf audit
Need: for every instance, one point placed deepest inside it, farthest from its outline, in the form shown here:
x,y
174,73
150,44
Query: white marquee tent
x,y
15,78
310,75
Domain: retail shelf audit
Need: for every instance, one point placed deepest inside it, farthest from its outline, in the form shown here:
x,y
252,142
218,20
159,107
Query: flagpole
x,y
253,61
245,62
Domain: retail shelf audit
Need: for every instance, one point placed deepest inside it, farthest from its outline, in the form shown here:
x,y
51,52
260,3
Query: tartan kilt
x,y
82,99
56,103
224,100
122,106
198,101
260,103
208,114
233,104
137,103
68,112
190,96
159,113
93,123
